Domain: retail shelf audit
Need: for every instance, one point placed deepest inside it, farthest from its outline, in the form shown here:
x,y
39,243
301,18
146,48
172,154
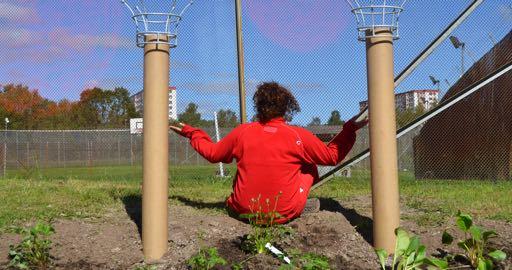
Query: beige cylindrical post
x,y
384,171
240,57
155,150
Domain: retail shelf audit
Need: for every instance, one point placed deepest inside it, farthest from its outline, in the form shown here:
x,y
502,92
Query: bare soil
x,y
341,231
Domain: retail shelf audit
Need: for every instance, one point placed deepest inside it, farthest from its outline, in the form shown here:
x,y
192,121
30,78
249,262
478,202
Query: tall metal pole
x,y
240,54
383,143
155,149
217,135
462,50
5,149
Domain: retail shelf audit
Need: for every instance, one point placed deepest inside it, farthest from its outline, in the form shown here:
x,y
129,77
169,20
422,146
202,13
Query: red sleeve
x,y
221,151
317,152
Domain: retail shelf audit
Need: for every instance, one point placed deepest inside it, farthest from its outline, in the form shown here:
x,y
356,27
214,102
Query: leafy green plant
x,y
33,252
409,253
474,243
264,227
306,261
146,267
206,259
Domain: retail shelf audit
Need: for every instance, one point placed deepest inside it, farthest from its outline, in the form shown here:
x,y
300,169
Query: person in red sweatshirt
x,y
276,162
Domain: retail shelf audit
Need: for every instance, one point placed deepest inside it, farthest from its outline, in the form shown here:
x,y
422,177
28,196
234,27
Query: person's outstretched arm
x,y
317,152
221,151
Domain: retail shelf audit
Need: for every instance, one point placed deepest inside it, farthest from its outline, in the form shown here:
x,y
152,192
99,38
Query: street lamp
x,y
435,81
458,44
5,146
448,83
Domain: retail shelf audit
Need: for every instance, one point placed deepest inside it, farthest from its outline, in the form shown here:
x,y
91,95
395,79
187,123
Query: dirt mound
x,y
338,232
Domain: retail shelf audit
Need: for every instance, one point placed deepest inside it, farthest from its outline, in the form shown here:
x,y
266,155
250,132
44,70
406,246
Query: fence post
x,y
58,154
28,155
5,154
64,149
186,153
131,149
175,149
46,156
119,151
17,154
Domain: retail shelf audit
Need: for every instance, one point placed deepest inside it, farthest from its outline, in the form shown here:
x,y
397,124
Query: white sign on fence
x,y
136,125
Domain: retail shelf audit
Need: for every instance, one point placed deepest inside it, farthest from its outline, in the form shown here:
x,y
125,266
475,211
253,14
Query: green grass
x,y
90,192
433,199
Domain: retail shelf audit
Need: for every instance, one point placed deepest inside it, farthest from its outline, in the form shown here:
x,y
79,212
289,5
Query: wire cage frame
x,y
161,24
376,14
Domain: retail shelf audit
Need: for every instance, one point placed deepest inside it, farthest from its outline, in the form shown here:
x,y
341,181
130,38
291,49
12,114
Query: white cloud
x,y
19,37
506,11
82,42
16,13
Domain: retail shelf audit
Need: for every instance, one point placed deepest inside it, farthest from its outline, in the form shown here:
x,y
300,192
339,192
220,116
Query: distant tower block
x,y
138,102
173,104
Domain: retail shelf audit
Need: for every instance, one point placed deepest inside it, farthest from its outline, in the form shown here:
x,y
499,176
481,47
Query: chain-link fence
x,y
70,72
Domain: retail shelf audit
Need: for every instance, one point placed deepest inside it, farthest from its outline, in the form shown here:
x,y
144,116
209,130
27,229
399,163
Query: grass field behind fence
x,y
90,192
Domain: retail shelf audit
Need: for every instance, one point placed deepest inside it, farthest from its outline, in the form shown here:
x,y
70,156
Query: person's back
x,y
271,166
275,161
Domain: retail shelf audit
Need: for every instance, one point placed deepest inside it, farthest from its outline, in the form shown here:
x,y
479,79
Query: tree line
x,y
102,109
334,120
402,117
97,108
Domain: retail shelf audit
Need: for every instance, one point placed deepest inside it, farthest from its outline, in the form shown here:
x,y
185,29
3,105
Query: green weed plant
x,y
409,252
306,261
33,252
474,244
264,227
205,259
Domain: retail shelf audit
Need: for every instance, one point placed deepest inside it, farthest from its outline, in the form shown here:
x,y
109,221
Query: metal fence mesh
x,y
66,81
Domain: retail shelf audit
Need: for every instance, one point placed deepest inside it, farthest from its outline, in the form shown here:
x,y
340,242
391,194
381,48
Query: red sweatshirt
x,y
273,159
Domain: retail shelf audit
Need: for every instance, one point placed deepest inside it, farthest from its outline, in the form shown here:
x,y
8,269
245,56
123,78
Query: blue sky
x,y
61,47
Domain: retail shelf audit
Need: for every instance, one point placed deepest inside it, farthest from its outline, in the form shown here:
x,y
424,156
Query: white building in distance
x,y
138,101
412,99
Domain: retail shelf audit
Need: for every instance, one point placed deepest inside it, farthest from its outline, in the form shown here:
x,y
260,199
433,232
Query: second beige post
x,y
383,151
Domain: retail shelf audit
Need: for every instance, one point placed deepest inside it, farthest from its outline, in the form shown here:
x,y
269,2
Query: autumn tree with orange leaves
x,y
97,108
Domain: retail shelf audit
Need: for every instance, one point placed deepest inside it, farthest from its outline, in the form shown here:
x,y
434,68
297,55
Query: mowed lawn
x,y
92,192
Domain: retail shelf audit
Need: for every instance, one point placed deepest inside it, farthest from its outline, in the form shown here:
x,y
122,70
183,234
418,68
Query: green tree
x,y
190,115
120,107
227,118
335,119
104,108
315,121
405,117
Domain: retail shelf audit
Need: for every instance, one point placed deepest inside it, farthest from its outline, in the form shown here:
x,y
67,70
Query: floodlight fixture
x,y
162,23
6,120
376,14
434,80
458,44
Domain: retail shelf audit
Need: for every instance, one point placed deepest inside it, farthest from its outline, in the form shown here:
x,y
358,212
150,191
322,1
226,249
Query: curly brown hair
x,y
272,100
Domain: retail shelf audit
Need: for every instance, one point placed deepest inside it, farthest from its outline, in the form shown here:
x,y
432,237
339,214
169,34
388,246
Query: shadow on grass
x,y
133,207
362,224
200,205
